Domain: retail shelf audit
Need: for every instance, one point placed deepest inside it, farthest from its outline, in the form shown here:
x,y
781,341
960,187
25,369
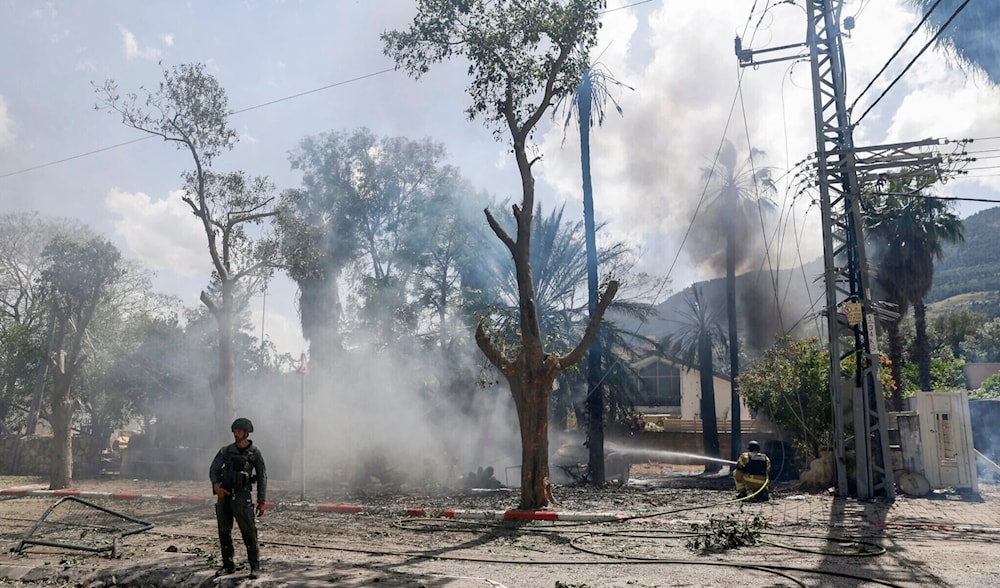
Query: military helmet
x,y
242,423
751,446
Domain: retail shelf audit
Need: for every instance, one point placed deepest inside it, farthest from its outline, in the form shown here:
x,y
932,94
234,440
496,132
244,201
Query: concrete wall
x,y
691,397
167,463
36,454
985,416
975,373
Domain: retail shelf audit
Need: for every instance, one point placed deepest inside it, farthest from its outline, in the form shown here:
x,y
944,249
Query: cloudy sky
x,y
311,67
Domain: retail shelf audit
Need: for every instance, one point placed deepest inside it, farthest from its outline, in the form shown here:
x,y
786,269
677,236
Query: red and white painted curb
x,y
448,513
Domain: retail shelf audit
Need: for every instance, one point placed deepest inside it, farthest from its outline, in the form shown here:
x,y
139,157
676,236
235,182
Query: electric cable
x,y
871,549
791,208
725,130
577,541
912,61
753,7
634,4
239,111
860,548
609,560
242,110
772,271
894,54
698,207
72,157
945,198
606,373
864,4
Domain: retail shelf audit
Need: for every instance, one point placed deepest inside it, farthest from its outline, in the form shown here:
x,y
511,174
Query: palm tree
x,y
559,270
970,35
697,342
743,193
589,101
887,277
912,226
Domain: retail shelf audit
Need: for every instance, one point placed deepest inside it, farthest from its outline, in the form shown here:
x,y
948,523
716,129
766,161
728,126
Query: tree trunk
x,y
61,475
709,424
561,404
736,440
896,363
221,384
319,306
920,344
531,399
595,391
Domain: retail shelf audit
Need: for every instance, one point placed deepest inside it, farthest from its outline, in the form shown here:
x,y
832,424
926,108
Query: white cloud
x,y
87,65
284,332
646,163
164,236
246,137
161,233
168,40
48,10
6,125
132,49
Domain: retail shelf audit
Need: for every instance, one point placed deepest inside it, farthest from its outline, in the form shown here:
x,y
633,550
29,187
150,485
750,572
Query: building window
x,y
661,385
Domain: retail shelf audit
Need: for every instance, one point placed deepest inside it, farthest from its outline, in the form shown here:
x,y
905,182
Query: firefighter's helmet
x,y
242,423
751,446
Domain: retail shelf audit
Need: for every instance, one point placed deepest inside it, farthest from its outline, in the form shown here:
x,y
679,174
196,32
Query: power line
x,y
240,111
314,90
627,6
912,61
895,53
946,198
72,157
725,130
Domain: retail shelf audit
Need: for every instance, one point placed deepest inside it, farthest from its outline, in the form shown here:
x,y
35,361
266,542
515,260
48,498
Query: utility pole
x,y
303,371
859,416
849,309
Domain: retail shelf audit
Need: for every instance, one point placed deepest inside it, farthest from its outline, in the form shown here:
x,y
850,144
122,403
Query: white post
x,y
303,371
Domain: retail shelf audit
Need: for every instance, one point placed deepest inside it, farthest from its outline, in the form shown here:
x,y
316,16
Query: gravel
x,y
811,539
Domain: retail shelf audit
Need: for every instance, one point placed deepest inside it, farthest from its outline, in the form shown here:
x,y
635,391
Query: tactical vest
x,y
235,473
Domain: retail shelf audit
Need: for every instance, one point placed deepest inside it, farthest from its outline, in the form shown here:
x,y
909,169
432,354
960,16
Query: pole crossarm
x,y
746,56
917,159
880,163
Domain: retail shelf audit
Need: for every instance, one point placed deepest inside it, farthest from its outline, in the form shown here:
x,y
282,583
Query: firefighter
x,y
234,470
752,471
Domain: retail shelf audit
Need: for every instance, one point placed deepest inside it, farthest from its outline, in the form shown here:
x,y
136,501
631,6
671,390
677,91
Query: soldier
x,y
234,470
752,471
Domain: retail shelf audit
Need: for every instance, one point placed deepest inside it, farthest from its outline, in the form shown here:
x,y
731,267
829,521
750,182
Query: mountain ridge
x,y
967,276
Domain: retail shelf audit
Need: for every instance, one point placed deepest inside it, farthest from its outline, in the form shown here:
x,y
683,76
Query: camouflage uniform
x,y
236,469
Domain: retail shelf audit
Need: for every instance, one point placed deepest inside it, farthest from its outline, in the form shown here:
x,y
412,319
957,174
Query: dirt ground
x,y
946,539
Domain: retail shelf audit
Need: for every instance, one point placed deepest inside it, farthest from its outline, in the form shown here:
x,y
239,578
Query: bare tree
x,y
524,55
190,110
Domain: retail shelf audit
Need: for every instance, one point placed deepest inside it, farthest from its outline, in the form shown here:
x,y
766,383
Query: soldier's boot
x,y
253,558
